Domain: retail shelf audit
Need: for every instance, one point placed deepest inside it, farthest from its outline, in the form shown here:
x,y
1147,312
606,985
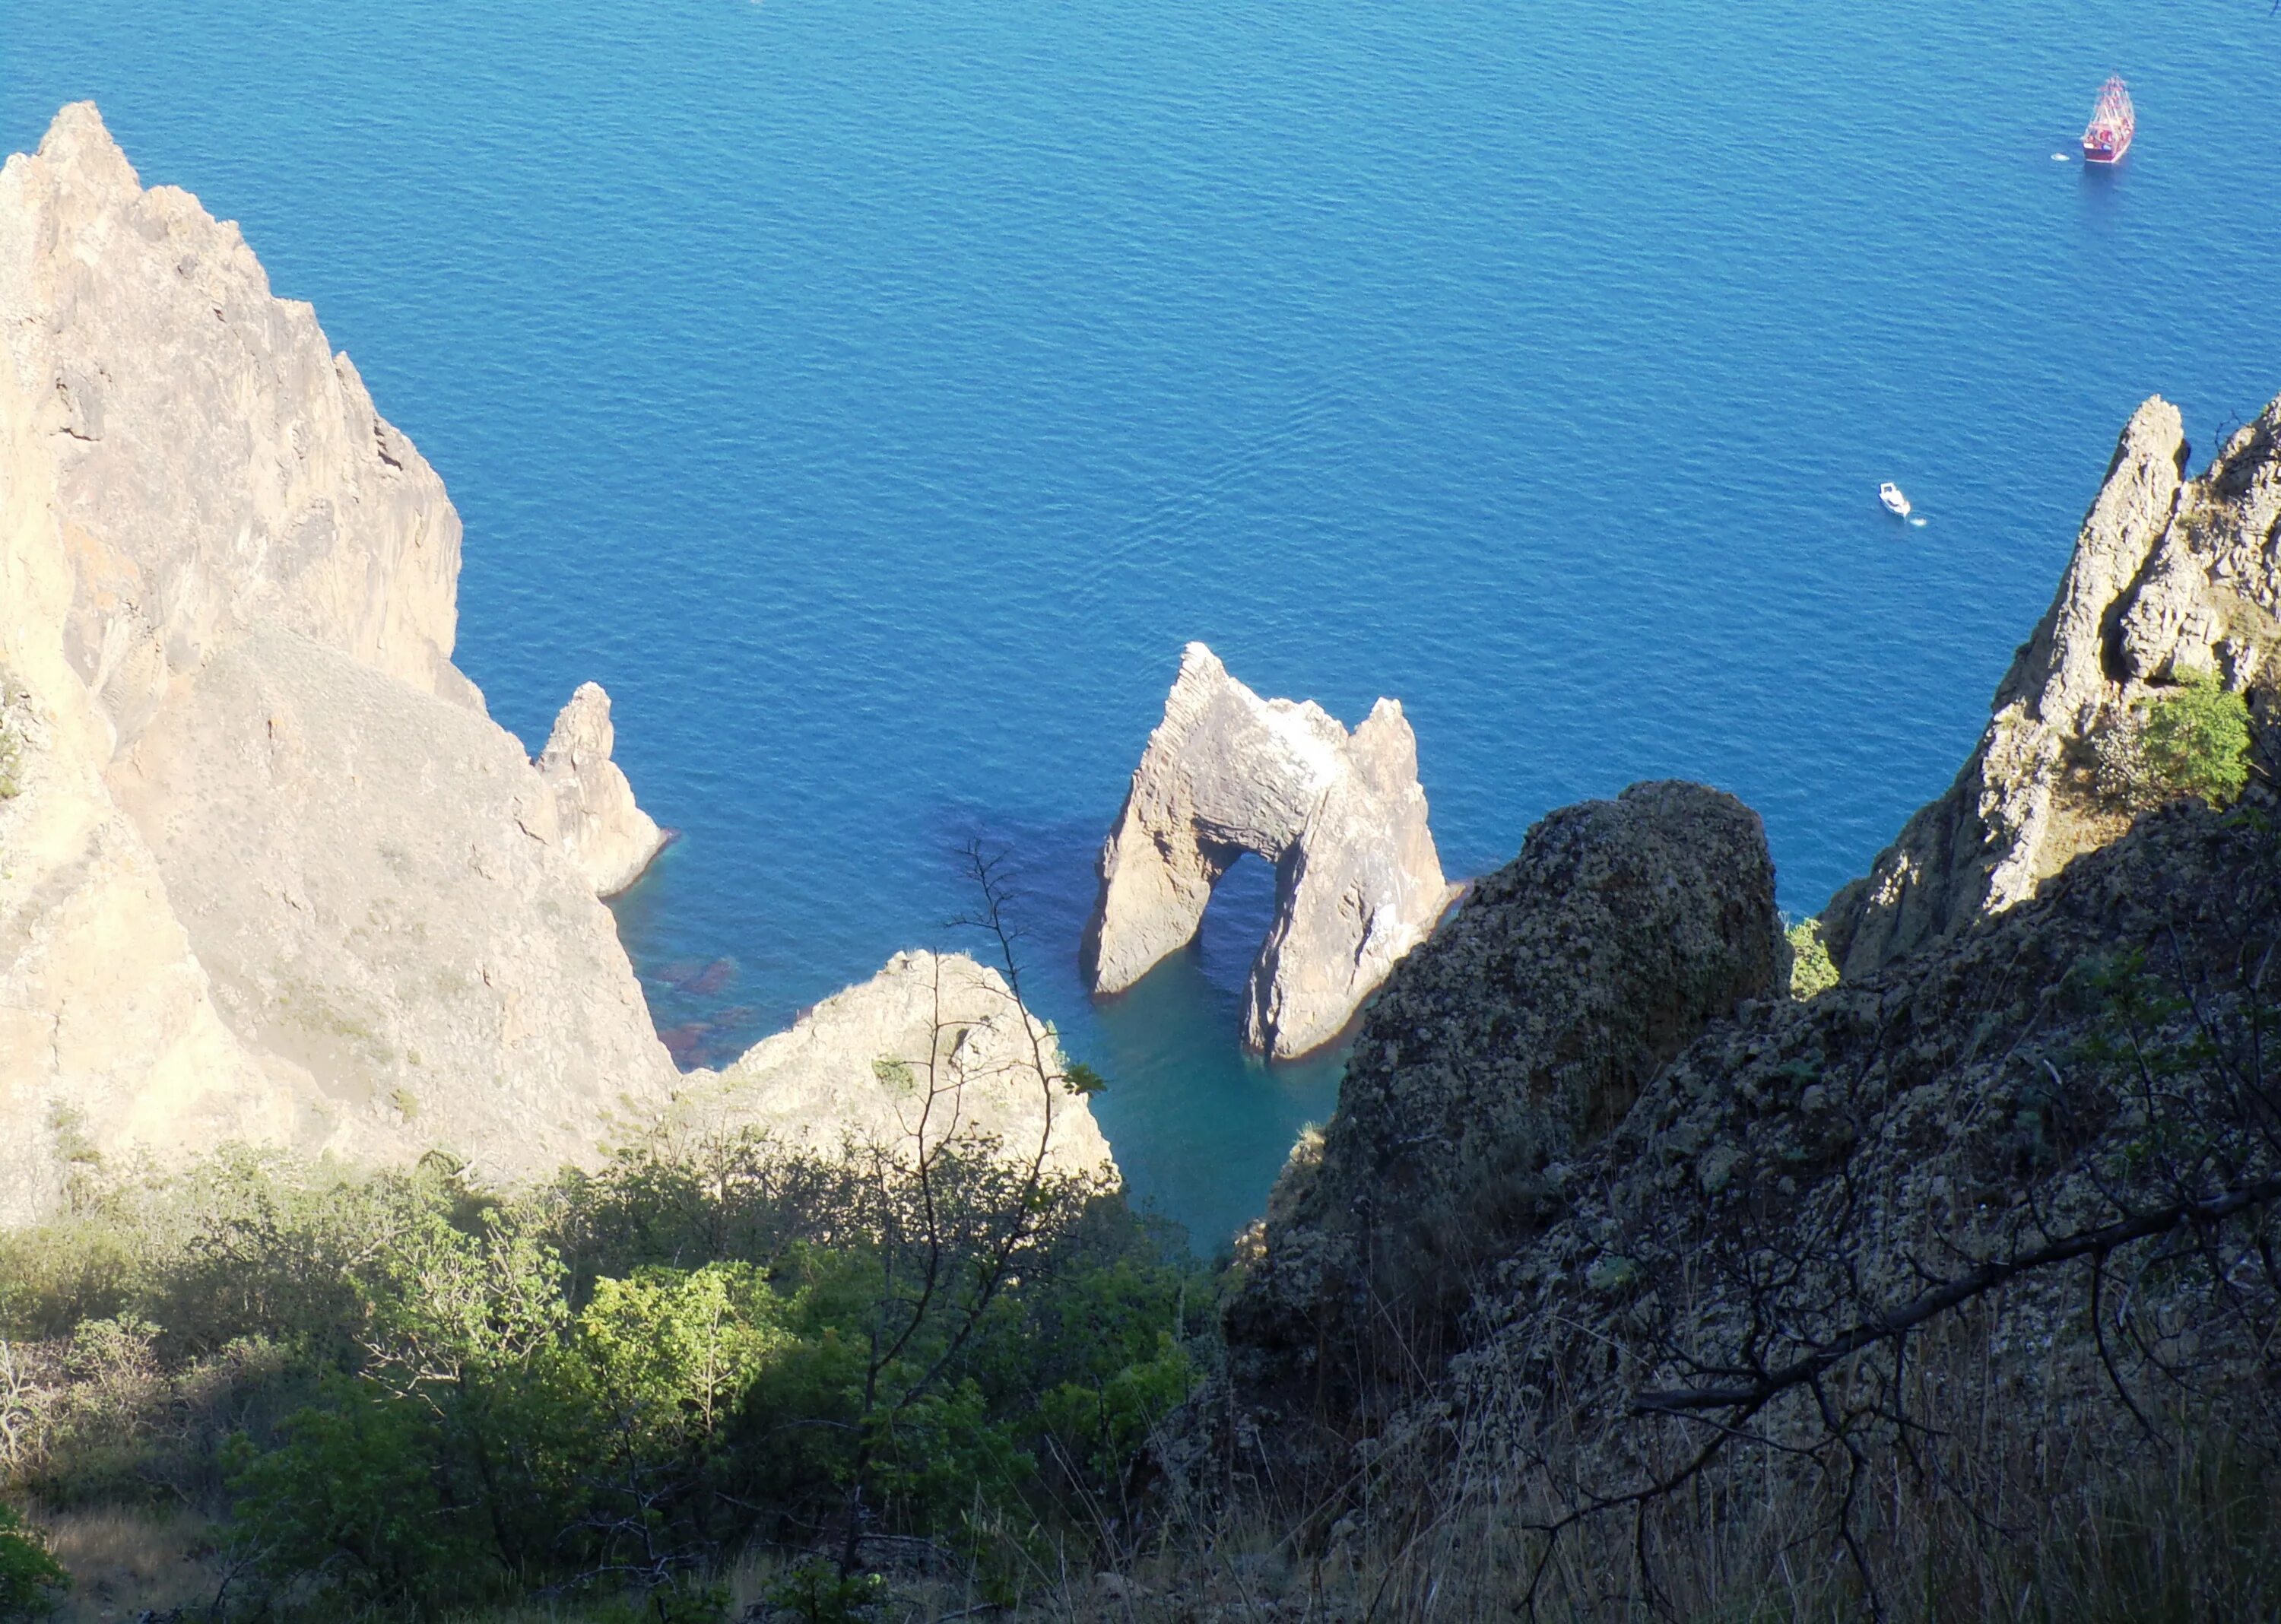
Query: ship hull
x,y
2104,153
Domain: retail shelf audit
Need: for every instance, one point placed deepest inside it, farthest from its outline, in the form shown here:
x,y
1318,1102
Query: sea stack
x,y
1341,815
609,837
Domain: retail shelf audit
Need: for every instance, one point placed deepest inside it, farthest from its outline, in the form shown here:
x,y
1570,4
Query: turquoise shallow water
x,y
875,394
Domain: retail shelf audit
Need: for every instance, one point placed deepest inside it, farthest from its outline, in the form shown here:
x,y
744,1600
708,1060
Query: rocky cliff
x,y
1341,815
1522,1031
268,872
2169,576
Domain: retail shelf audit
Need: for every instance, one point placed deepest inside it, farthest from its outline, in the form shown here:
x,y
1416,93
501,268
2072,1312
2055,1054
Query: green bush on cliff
x,y
2196,740
1810,969
2192,739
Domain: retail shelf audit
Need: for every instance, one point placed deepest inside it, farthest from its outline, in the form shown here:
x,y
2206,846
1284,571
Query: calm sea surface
x,y
875,394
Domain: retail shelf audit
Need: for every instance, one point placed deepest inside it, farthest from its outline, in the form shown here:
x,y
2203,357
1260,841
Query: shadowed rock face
x,y
2169,575
1341,815
610,838
1522,1031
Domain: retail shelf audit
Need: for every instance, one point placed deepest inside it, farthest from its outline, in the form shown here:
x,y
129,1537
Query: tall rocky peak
x,y
2171,576
1519,1033
214,464
1341,817
267,872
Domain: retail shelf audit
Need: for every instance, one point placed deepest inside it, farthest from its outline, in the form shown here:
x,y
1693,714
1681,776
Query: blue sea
x,y
875,394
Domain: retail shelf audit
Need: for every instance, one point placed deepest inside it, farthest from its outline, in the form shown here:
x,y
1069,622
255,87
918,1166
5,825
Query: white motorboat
x,y
1896,504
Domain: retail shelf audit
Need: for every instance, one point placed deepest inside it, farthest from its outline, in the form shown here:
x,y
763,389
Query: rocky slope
x,y
2170,576
1341,815
1811,1168
270,872
1522,1031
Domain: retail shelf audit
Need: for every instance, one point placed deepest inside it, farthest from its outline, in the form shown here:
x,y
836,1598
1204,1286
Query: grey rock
x,y
1341,815
1520,1032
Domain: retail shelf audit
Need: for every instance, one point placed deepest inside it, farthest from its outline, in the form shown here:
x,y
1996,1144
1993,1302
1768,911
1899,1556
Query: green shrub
x,y
31,1581
2197,740
1810,969
2192,739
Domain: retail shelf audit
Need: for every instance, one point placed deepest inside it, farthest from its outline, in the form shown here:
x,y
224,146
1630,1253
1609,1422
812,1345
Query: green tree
x,y
2196,740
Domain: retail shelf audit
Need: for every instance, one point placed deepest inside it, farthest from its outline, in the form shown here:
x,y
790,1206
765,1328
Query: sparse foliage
x,y
1811,971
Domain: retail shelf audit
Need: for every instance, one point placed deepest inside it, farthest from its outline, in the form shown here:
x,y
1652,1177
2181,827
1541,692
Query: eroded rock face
x,y
270,873
2168,576
1341,815
1522,1031
933,1048
610,838
215,464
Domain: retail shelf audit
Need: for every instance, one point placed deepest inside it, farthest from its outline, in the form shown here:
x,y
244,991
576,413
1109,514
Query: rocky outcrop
x,y
1812,1167
610,838
2170,576
1519,1034
1341,815
269,874
934,1048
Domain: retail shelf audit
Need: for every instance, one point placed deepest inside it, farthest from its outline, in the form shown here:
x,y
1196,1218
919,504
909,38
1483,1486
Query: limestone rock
x,y
934,1047
370,880
2169,575
1341,815
269,872
215,464
1522,1031
610,838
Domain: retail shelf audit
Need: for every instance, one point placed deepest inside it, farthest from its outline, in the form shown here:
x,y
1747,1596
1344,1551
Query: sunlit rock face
x,y
1341,815
268,872
935,1051
609,837
2170,576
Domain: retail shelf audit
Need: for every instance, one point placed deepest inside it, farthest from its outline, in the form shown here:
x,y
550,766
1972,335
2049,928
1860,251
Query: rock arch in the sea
x,y
1341,815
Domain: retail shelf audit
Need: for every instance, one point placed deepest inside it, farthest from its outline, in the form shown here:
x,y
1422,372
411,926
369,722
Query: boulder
x,y
603,831
1341,815
2168,576
1519,1034
932,1048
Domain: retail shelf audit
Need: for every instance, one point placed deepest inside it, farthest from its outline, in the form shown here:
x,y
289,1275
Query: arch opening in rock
x,y
1340,815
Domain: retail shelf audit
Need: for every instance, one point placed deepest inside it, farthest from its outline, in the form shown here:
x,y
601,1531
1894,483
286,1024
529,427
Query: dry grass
x,y
124,1562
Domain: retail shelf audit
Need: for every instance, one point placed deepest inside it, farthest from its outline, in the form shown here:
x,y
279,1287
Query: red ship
x,y
2113,123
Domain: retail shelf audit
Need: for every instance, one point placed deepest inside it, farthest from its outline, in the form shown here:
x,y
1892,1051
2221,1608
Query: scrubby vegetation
x,y
1811,971
30,1579
397,1393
